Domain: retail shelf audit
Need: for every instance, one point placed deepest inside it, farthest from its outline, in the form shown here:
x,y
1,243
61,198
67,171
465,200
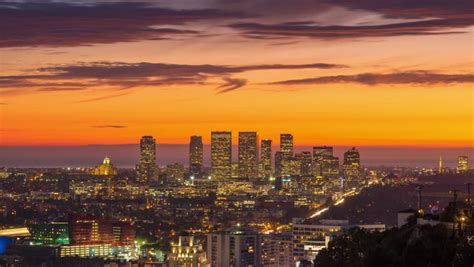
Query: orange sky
x,y
435,113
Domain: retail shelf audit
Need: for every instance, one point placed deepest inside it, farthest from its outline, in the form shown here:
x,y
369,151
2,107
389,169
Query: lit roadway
x,y
339,201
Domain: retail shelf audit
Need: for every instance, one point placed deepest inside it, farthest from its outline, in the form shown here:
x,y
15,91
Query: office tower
x,y
305,159
266,157
324,163
277,250
351,165
463,164
187,252
239,247
87,229
320,151
248,155
278,163
286,145
221,155
106,168
290,167
174,172
195,155
147,169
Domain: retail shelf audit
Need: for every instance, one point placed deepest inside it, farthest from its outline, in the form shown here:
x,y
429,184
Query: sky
x,y
393,73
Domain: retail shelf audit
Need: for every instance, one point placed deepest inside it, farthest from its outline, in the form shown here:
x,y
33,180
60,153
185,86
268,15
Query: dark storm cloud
x,y
54,24
425,27
413,77
123,76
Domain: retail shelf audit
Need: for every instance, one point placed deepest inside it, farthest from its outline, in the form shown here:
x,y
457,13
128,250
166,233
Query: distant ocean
x,y
126,156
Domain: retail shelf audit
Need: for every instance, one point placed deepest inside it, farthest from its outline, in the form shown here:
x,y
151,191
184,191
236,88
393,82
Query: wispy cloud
x,y
122,76
110,126
315,31
230,85
412,77
54,24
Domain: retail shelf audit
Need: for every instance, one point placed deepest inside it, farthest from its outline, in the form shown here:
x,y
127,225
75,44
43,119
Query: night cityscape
x,y
248,133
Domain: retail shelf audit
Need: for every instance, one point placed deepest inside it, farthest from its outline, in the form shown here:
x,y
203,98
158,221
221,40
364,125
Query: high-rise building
x,y
195,154
266,157
306,159
324,163
248,155
147,169
174,172
351,164
187,253
278,163
320,151
238,247
463,164
221,155
277,250
286,145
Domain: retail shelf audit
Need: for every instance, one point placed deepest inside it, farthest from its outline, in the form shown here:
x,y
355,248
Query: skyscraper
x,y
320,151
324,162
195,154
286,145
221,155
351,163
266,157
306,159
147,169
463,164
248,155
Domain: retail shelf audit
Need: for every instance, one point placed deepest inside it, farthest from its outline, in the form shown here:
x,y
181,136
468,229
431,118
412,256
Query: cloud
x,y
54,24
453,9
231,84
312,30
413,77
123,76
110,126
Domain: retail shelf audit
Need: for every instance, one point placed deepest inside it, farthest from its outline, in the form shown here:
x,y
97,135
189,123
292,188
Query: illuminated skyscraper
x,y
286,145
351,163
463,164
324,162
306,159
266,157
195,154
147,169
221,155
320,151
248,155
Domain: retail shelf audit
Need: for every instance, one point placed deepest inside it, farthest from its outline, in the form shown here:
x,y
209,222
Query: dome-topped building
x,y
106,168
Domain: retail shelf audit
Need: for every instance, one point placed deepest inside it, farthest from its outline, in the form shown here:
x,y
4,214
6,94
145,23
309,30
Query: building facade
x,y
248,155
147,168
195,155
266,157
221,155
